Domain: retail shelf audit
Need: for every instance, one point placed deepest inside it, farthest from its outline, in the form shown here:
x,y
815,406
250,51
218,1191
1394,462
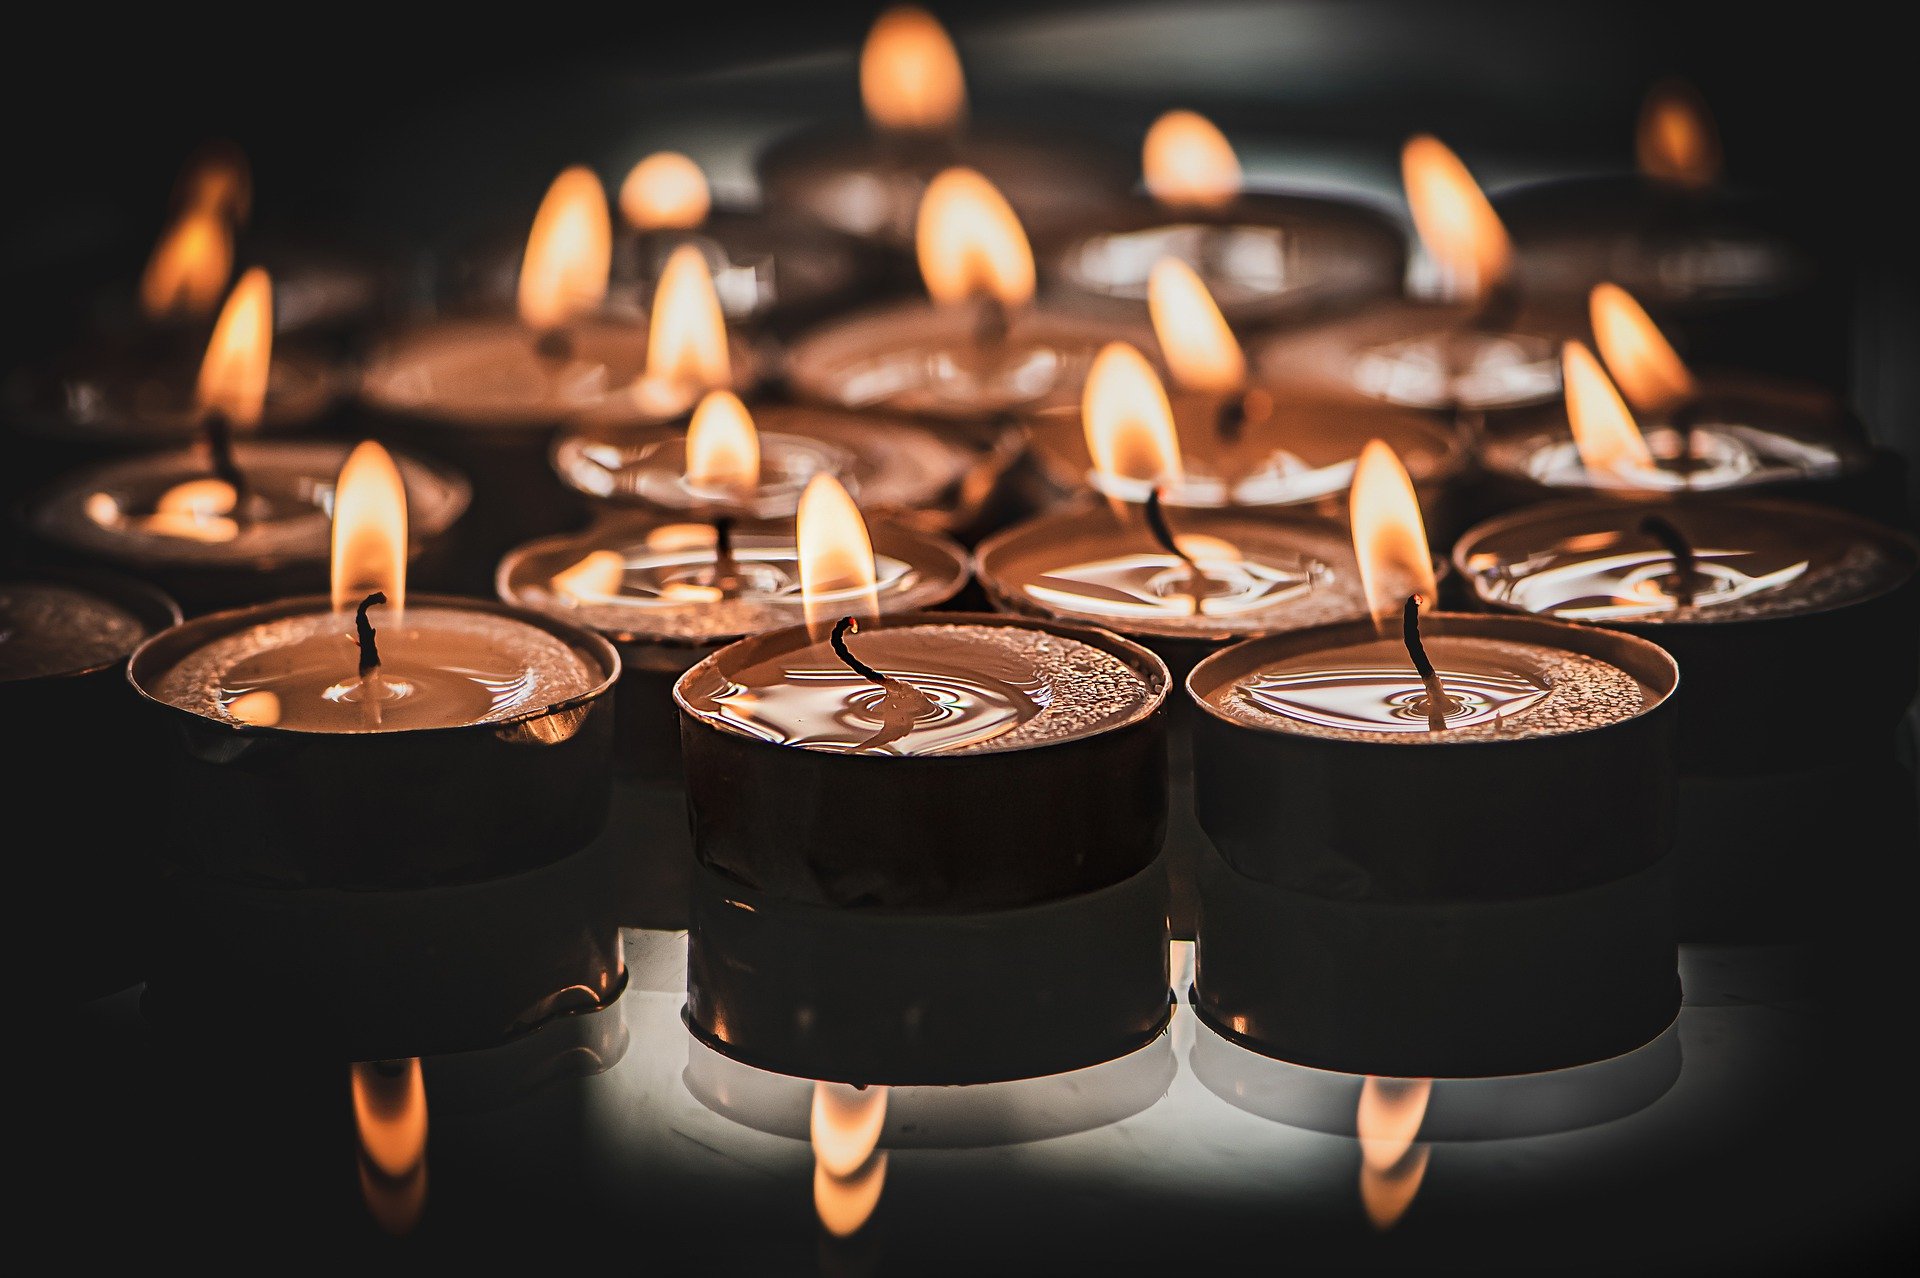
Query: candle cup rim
x,y
1141,659
890,529
1646,661
151,606
1880,534
1261,204
203,629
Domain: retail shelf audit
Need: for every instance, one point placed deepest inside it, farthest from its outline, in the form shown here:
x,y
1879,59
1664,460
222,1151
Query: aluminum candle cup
x,y
1491,898
324,865
770,268
1265,258
657,601
166,518
941,479
1082,565
890,888
64,642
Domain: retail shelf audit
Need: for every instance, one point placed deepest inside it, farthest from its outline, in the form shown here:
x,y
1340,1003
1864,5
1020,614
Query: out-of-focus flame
x,y
1127,419
1610,445
848,1174
664,191
369,531
1676,141
569,252
909,73
1386,1195
233,376
1189,163
196,510
218,180
723,448
1638,355
1391,1165
390,1114
836,555
687,337
970,243
1389,537
189,266
1456,224
594,579
1200,348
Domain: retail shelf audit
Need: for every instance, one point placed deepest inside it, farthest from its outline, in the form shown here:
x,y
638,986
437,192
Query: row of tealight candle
x,y
1188,438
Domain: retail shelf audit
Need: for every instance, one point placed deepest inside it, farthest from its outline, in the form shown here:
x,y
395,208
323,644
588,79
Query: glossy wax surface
x,y
49,628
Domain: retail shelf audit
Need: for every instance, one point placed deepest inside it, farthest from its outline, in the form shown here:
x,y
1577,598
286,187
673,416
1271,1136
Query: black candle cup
x,y
1440,909
933,919
83,737
1745,710
1331,254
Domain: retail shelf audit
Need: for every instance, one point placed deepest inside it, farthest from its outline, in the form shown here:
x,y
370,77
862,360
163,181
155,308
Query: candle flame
x,y
1189,163
390,1116
909,73
1389,537
1455,222
687,338
233,376
569,252
1127,419
197,510
1200,348
837,575
1676,141
970,243
1638,355
189,266
369,531
1391,1165
1610,445
1386,1195
665,191
595,579
723,448
217,180
848,1174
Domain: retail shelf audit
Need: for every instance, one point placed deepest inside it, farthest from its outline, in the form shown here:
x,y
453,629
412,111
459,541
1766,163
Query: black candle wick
x,y
1156,512
726,573
1675,543
1438,702
1497,309
219,433
556,344
1683,420
363,632
838,639
1237,412
902,705
990,323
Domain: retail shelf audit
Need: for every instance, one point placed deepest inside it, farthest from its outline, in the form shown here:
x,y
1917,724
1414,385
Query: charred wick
x,y
219,434
364,635
1438,702
725,571
555,344
838,639
1498,308
1675,543
990,323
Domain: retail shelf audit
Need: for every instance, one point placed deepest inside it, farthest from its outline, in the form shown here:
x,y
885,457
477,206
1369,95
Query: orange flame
x,y
1636,352
217,180
1676,141
1199,347
369,531
837,575
723,448
909,73
390,1114
196,510
970,243
1386,1195
1189,163
1391,1165
848,1174
1456,223
233,376
1389,537
687,338
594,579
666,190
1610,445
569,252
189,266
1127,419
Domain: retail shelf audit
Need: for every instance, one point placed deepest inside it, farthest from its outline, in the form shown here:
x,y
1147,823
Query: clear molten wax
x,y
1711,455
47,628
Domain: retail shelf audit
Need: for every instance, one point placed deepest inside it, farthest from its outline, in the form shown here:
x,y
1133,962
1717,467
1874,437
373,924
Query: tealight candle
x,y
877,820
981,348
490,393
1462,348
1265,256
869,182
1433,929
239,522
311,740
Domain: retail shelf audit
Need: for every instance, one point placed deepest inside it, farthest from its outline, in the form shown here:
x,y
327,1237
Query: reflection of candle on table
x,y
982,347
1263,255
1392,1163
1436,930
390,1119
869,182
849,1167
